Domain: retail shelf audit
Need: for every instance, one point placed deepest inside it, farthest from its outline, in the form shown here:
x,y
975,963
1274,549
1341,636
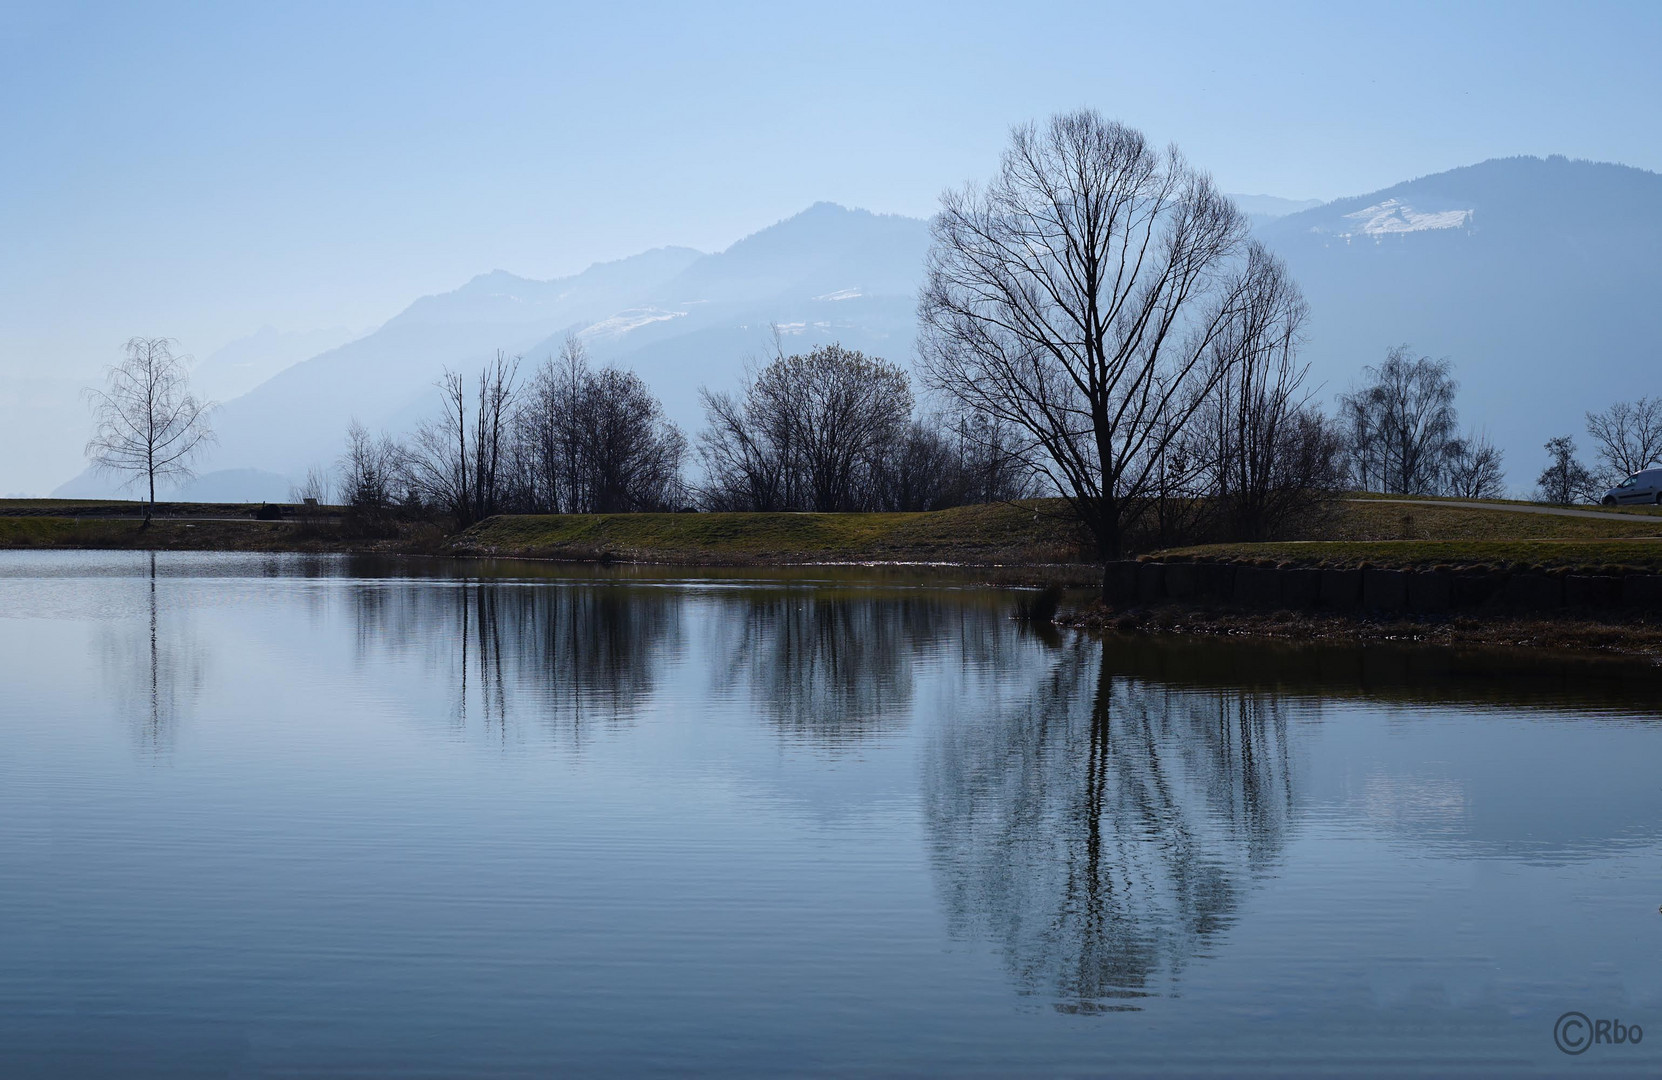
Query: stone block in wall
x,y
1257,586
1592,592
1473,590
1642,591
1430,592
1530,592
1216,582
1200,582
1341,590
1301,589
1384,590
1119,582
1151,582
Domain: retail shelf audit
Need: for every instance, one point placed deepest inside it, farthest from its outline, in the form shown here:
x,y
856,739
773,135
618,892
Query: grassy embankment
x,y
1032,533
1394,535
1372,531
88,524
1402,536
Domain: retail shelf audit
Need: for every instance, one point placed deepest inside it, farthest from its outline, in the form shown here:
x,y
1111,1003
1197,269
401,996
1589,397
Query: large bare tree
x,y
149,426
1081,297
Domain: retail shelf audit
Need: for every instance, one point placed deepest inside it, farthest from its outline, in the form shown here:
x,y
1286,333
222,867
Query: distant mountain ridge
x,y
1536,276
679,317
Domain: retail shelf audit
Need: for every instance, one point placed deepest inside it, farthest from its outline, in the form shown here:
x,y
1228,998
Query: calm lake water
x,y
279,815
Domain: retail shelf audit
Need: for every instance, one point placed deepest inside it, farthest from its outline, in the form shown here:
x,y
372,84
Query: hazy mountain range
x,y
1537,277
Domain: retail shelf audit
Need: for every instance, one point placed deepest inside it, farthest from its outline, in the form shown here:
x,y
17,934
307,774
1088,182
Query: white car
x,y
1644,486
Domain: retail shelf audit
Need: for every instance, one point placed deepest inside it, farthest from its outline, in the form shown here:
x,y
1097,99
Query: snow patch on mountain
x,y
841,294
631,319
1395,216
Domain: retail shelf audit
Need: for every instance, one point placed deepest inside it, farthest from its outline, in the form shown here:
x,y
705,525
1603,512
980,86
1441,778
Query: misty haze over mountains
x,y
1537,277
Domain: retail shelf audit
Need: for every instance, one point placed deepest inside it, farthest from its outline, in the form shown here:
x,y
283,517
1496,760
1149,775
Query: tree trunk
x,y
1108,546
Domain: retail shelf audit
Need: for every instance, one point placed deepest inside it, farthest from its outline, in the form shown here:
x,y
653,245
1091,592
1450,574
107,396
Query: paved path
x,y
1553,511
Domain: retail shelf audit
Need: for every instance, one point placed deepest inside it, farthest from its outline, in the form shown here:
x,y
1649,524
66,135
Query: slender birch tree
x,y
148,425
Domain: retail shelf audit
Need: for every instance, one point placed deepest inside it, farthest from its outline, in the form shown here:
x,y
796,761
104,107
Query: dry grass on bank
x,y
1031,532
1036,533
1399,535
208,534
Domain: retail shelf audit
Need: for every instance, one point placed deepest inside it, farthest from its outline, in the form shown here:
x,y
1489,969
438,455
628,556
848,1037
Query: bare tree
x,y
632,452
988,456
148,424
439,458
1364,451
1475,469
845,409
372,471
553,424
498,388
315,487
1266,455
1080,297
1401,425
919,472
1628,436
595,442
746,466
1565,480
808,433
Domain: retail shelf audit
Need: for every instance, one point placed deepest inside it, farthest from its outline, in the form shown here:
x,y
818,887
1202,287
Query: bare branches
x,y
1475,469
1087,297
498,390
1264,453
373,471
1401,427
1628,436
1565,480
596,441
439,458
148,424
808,433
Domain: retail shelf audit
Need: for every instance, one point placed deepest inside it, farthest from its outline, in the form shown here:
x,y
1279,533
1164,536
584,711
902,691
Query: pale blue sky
x,y
200,170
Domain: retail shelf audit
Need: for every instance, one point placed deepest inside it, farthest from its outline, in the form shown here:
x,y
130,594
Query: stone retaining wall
x,y
1420,592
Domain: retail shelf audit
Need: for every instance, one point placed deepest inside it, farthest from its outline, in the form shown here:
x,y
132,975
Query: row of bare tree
x,y
1627,438
1401,433
569,439
829,430
834,430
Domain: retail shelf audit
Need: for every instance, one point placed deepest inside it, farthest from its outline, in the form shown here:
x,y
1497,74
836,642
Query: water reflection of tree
x,y
568,656
1102,834
154,663
836,667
